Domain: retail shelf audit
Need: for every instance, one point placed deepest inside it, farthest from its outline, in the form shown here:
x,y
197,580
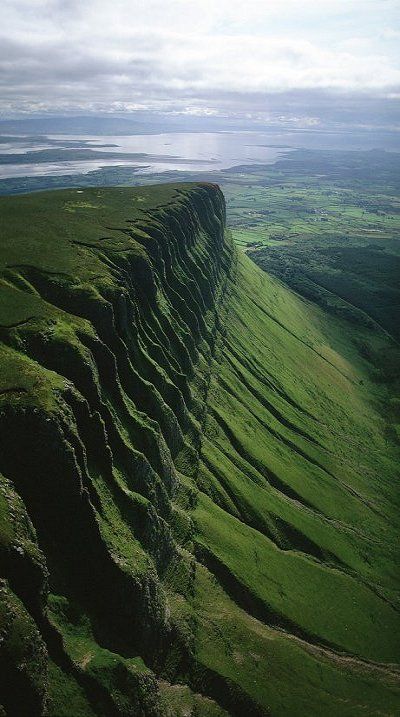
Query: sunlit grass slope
x,y
300,522
198,498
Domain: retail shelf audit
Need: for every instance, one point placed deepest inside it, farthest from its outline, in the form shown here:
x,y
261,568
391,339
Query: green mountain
x,y
198,500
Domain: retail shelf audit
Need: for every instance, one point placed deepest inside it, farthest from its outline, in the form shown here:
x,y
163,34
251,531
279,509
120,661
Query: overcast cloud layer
x,y
261,59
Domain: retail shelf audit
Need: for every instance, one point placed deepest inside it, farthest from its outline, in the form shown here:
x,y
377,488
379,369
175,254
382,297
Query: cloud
x,y
187,55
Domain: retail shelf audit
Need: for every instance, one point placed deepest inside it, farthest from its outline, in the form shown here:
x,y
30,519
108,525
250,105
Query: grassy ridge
x,y
208,475
297,541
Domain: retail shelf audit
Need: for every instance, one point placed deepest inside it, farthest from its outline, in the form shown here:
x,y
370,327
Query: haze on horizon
x,y
294,62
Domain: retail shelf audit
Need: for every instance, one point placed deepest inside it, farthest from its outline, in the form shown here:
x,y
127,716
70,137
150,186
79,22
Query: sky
x,y
302,62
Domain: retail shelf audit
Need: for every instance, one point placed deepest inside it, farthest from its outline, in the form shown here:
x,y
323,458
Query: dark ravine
x,y
121,344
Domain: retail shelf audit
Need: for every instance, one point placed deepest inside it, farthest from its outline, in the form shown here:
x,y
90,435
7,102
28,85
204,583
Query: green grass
x,y
287,583
325,490
208,463
66,696
282,671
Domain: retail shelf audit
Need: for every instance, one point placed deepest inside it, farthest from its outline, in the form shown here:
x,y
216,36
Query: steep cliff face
x,y
185,525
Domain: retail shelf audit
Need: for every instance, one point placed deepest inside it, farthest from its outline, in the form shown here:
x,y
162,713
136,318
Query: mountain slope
x,y
198,498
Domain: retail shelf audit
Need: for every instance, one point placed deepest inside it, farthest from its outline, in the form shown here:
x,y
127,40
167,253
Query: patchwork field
x,y
327,224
